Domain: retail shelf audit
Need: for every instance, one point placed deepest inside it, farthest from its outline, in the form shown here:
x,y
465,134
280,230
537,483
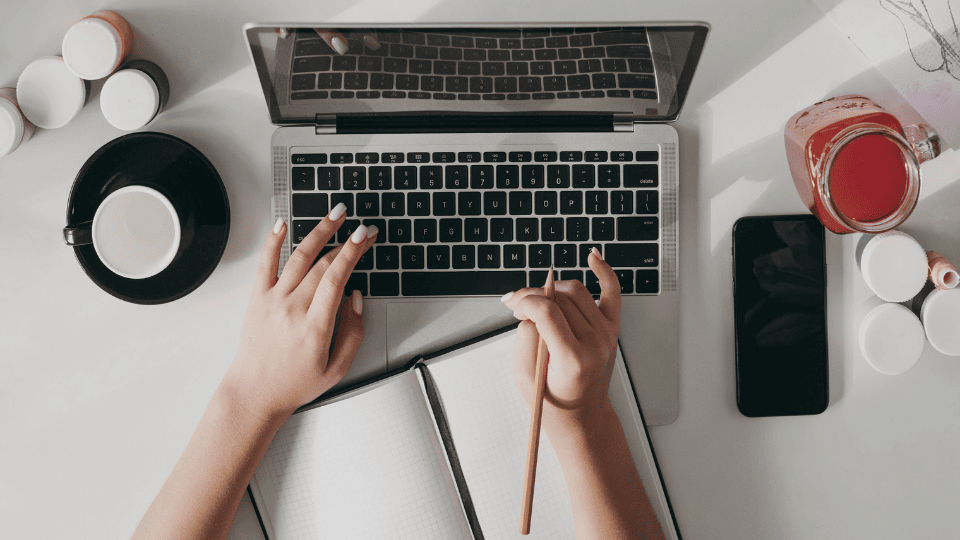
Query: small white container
x,y
132,97
890,336
96,45
49,95
894,265
940,314
15,129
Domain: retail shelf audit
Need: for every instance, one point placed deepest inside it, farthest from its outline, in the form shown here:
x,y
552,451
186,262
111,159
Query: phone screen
x,y
780,315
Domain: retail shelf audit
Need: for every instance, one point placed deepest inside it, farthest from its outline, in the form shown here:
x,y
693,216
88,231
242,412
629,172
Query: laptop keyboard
x,y
489,65
486,222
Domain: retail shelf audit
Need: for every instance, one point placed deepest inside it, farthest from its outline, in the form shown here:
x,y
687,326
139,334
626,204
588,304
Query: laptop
x,y
485,155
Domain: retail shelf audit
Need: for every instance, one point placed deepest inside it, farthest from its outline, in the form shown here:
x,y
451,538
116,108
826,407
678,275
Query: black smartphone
x,y
779,298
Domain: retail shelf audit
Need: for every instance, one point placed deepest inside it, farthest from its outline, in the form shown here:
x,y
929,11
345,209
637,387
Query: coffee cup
x,y
135,231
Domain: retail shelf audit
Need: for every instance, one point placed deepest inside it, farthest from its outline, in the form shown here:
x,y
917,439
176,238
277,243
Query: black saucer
x,y
182,174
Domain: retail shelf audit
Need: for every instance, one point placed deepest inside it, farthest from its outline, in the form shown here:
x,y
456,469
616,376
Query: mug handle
x,y
79,235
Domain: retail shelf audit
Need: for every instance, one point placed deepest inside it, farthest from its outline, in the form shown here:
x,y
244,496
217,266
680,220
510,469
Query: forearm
x,y
607,496
202,494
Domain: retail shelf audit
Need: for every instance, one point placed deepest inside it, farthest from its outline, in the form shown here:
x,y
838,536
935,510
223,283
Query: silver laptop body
x,y
503,100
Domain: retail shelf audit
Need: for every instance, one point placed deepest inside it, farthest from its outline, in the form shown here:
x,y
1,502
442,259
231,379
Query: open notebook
x,y
435,451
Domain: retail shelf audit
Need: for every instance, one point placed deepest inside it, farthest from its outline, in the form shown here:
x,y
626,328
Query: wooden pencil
x,y
533,444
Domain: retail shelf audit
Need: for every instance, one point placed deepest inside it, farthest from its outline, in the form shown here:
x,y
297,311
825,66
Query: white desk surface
x,y
99,397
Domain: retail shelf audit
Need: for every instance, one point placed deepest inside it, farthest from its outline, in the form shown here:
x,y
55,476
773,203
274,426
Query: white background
x,y
99,397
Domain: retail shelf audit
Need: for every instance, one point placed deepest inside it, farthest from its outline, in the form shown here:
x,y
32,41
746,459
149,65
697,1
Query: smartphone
x,y
779,299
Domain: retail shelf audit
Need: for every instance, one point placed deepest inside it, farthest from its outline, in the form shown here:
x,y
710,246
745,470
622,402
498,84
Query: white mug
x,y
135,232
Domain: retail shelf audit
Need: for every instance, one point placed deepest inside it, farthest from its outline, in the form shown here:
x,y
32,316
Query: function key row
x,y
367,158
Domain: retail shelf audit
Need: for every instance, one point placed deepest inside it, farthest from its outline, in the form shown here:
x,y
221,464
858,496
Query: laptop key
x,y
344,63
444,204
460,41
596,202
475,54
521,55
328,178
302,178
621,202
310,204
346,229
648,281
357,282
571,156
521,203
637,228
448,53
381,81
584,176
564,256
427,53
369,63
368,158
619,37
551,229
412,257
381,225
401,51
438,257
558,176
418,203
481,85
554,83
545,54
468,68
443,67
464,256
408,82
608,176
312,63
604,80
387,257
539,256
329,81
585,253
629,51
565,67
368,204
308,159
494,68
602,228
594,52
498,56
505,84
621,156
571,202
541,68
495,203
380,178
530,84
545,202
531,176
421,66
456,176
302,227
514,256
501,230
528,230
384,284
625,277
345,198
488,256
463,283
636,80
648,202
508,176
393,204
614,64
425,231
545,156
431,83
517,68
468,203
405,178
569,54
457,84
395,65
640,65
451,230
354,178
642,176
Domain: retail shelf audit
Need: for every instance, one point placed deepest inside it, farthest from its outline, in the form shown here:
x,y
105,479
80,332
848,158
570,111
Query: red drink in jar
x,y
855,167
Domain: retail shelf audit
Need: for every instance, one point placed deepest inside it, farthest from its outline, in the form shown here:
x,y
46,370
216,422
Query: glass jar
x,y
855,167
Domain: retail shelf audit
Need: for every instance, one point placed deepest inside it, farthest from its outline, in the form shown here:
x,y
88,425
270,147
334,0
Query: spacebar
x,y
466,283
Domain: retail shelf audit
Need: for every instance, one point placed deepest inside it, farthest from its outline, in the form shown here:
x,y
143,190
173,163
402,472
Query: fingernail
x,y
283,33
357,303
359,235
371,42
372,231
338,211
506,297
596,252
277,226
339,45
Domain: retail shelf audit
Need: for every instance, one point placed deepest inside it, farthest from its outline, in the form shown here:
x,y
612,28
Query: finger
x,y
312,280
512,299
270,256
334,39
349,336
609,287
525,356
282,32
306,253
577,292
369,39
326,299
550,321
578,324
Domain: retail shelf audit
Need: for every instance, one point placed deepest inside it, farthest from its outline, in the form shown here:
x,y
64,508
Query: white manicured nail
x,y
339,45
283,33
506,297
357,303
277,226
372,231
359,235
338,211
596,252
371,42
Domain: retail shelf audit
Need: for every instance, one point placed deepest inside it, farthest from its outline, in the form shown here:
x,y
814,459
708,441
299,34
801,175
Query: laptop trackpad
x,y
415,328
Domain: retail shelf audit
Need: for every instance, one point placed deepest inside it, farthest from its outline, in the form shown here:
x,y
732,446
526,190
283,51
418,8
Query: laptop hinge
x,y
326,124
622,122
441,122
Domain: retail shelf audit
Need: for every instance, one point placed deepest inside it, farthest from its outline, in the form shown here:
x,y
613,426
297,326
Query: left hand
x,y
285,358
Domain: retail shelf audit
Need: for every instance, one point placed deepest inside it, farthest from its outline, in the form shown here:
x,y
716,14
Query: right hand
x,y
580,335
336,40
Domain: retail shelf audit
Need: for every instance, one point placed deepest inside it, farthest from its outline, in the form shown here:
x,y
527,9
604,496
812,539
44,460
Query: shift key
x,y
637,228
631,255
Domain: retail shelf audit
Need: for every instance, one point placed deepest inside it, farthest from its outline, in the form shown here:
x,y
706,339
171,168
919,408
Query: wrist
x,y
246,401
581,422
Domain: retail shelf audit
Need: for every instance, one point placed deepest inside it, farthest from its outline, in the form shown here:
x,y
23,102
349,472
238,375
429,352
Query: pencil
x,y
533,444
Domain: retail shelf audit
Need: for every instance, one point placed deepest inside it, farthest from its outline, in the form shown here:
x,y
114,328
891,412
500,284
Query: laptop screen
x,y
640,71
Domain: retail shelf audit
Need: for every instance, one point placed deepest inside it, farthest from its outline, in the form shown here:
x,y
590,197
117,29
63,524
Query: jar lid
x,y
48,94
129,99
92,48
894,265
891,339
941,320
11,127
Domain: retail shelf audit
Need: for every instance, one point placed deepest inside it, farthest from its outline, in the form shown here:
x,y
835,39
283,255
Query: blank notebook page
x,y
370,467
489,424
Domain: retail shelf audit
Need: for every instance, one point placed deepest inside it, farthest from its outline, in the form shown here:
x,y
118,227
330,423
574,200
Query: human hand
x,y
336,40
285,358
580,335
